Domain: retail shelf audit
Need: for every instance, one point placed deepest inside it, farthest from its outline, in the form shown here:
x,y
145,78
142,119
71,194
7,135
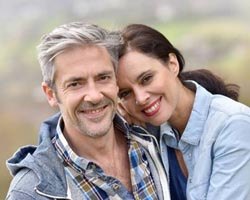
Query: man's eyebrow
x,y
105,73
73,79
79,78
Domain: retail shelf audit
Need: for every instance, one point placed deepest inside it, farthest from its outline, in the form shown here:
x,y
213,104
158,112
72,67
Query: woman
x,y
203,136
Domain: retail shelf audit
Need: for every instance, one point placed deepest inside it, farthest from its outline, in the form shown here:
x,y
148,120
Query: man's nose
x,y
93,94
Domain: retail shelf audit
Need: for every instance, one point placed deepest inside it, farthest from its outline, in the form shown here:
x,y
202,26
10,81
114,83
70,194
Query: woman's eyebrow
x,y
142,74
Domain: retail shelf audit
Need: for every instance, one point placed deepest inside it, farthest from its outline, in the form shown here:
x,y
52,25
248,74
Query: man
x,y
86,151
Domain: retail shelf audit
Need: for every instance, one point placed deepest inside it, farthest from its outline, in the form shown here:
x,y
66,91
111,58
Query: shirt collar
x,y
68,155
142,182
121,124
64,150
196,122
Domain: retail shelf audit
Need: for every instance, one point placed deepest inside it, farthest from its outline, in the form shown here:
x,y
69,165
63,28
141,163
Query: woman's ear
x,y
50,94
173,64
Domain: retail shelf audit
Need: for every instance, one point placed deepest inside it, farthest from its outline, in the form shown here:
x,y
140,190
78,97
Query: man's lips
x,y
153,108
93,112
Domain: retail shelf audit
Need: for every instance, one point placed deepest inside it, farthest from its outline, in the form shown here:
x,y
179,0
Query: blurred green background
x,y
213,35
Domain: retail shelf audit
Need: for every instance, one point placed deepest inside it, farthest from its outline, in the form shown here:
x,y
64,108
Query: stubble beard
x,y
102,126
99,130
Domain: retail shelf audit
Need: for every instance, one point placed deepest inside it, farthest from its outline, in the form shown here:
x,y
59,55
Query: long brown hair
x,y
151,42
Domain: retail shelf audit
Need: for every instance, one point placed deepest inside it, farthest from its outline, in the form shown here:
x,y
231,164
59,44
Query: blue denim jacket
x,y
39,174
215,146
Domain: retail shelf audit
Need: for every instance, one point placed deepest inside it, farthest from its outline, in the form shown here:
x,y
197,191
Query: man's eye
x,y
123,94
72,85
105,77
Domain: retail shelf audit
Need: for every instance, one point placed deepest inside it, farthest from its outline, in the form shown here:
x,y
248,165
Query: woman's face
x,y
148,88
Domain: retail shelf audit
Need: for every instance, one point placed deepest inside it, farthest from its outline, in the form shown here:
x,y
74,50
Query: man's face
x,y
86,90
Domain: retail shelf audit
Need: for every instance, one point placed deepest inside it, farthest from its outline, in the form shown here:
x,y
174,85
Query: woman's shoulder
x,y
229,107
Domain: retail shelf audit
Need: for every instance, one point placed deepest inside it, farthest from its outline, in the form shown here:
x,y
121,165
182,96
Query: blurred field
x,y
220,45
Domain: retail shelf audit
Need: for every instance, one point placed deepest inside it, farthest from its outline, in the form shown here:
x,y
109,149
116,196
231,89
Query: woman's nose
x,y
141,97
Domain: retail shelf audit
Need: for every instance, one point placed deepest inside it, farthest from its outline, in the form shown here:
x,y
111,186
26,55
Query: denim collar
x,y
196,122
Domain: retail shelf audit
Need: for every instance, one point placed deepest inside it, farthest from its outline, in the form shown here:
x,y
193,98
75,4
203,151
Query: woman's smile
x,y
153,108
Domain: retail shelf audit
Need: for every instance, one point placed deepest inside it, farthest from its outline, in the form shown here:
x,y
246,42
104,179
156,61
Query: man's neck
x,y
109,151
91,147
116,162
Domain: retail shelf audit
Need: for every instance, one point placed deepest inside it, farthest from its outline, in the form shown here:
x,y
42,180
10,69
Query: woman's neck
x,y
183,109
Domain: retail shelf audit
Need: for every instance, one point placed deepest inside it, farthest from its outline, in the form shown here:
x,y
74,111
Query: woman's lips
x,y
153,108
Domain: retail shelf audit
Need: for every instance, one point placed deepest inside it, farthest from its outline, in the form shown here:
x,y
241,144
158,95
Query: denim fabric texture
x,y
216,148
39,173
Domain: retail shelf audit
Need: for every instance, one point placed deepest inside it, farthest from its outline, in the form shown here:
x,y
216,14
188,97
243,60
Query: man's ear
x,y
173,64
50,95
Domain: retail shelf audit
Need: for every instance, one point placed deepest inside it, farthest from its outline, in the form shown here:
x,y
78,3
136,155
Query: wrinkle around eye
x,y
104,78
73,85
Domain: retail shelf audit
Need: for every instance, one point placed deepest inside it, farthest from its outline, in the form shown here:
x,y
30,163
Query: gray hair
x,y
74,34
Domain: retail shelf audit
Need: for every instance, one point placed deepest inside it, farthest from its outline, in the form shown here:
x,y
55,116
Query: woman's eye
x,y
123,94
146,79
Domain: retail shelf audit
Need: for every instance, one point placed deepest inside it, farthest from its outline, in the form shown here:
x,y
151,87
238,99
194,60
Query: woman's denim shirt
x,y
216,148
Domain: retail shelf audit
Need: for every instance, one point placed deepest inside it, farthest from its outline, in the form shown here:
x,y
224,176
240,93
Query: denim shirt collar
x,y
196,122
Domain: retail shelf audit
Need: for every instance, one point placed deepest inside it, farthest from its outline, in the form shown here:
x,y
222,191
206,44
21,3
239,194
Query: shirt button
x,y
115,186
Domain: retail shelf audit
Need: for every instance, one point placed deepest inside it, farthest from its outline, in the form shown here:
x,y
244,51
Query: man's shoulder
x,y
23,185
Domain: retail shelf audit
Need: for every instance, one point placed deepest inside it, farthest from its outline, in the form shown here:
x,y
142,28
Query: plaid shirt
x,y
92,180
